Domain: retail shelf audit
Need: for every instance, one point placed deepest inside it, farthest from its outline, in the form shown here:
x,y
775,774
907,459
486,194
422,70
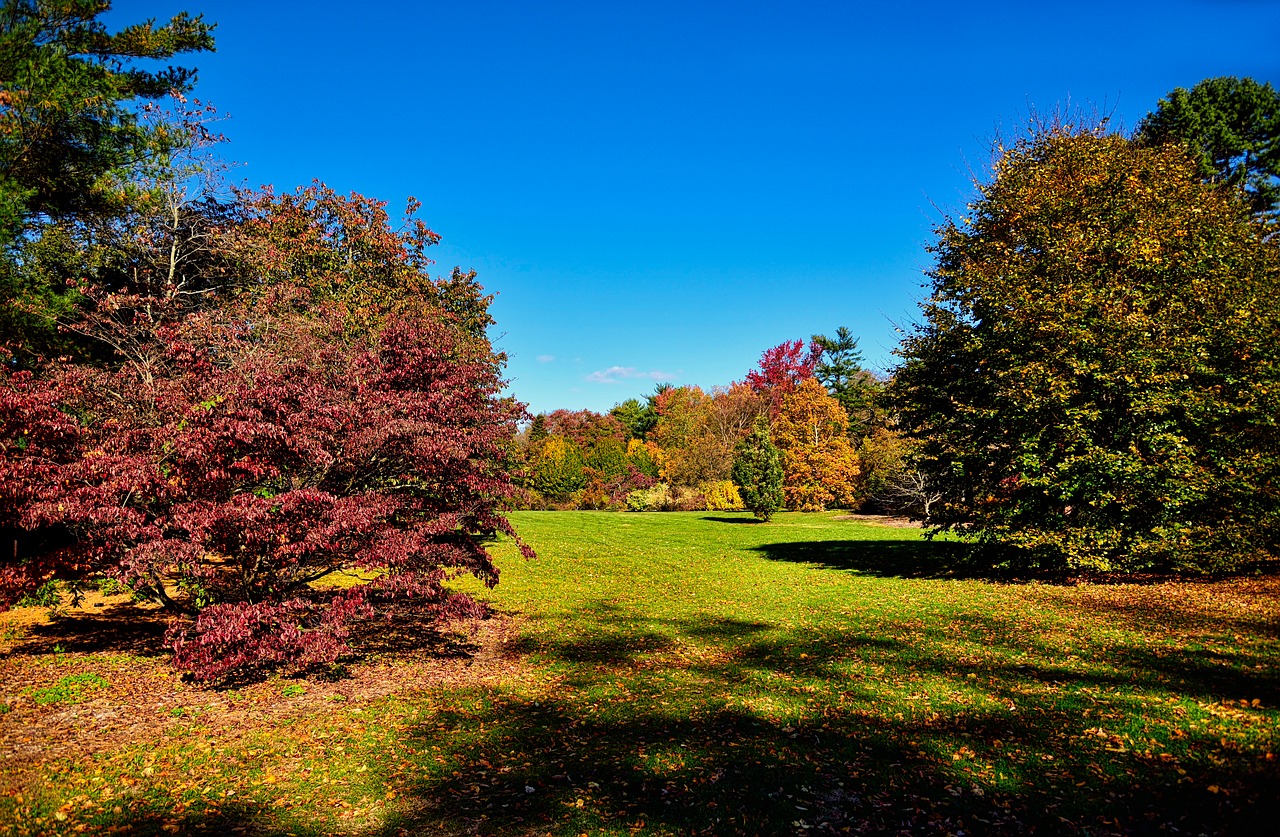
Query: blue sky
x,y
661,191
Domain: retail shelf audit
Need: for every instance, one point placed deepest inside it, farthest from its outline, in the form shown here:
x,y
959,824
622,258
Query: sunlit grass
x,y
686,673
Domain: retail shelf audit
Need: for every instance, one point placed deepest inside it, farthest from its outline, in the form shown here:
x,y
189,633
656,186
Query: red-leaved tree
x,y
782,368
274,452
317,439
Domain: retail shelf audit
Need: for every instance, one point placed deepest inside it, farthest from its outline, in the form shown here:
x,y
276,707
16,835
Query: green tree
x,y
840,370
608,457
74,149
538,429
1232,128
637,418
1096,382
557,468
757,471
66,87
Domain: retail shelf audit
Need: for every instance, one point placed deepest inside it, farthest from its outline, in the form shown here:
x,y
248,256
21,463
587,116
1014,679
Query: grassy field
x,y
682,674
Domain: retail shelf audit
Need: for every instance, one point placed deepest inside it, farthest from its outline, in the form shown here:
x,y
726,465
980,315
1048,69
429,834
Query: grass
x,y
703,673
71,689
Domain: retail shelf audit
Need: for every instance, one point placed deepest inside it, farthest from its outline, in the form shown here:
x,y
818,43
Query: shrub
x,y
722,495
757,471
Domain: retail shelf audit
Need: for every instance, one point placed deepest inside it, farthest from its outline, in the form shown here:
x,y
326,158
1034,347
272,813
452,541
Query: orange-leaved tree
x,y
819,463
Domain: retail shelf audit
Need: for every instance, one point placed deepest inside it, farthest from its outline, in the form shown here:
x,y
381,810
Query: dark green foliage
x,y
1096,382
637,418
558,468
64,117
1232,128
840,371
538,430
757,471
608,457
70,143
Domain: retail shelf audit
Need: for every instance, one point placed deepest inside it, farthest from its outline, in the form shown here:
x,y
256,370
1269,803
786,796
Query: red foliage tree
x,y
782,368
233,484
330,408
586,428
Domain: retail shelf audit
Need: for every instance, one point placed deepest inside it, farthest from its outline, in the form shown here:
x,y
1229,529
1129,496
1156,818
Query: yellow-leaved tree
x,y
820,465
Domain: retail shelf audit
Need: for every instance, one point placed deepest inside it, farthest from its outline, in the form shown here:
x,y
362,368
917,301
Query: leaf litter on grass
x,y
781,679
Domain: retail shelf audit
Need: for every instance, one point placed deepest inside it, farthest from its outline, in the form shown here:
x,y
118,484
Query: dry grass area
x,y
111,638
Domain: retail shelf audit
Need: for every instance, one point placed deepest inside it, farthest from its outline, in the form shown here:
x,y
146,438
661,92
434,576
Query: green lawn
x,y
703,673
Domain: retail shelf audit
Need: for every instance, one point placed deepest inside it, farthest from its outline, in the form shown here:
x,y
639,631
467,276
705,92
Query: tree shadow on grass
x,y
638,732
885,558
119,627
408,632
139,631
232,818
671,756
751,519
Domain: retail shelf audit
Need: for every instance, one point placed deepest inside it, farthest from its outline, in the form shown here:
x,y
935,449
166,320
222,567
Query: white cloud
x,y
614,374
546,358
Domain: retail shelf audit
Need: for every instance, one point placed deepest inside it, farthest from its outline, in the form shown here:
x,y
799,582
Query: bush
x,y
657,498
722,495
686,498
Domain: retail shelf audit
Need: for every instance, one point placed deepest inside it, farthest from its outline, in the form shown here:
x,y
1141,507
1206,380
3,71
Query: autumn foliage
x,y
819,462
1096,382
270,451
782,368
269,417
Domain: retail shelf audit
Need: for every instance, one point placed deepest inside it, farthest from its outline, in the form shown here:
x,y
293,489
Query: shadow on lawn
x,y
231,819
639,733
119,627
611,750
883,558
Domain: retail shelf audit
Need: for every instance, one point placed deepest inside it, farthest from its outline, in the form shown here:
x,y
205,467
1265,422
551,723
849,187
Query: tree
x,y
65,126
757,471
782,368
271,453
637,418
840,370
697,431
644,457
1231,126
344,248
538,429
72,147
819,463
1096,381
680,432
557,468
586,428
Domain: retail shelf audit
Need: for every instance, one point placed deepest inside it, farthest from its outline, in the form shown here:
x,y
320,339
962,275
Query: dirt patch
x,y
881,520
97,677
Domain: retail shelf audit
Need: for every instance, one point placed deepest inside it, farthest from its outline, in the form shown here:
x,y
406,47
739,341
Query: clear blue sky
x,y
663,190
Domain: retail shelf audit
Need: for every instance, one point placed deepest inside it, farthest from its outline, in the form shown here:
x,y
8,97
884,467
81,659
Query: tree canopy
x,y
1096,381
839,369
1232,128
66,86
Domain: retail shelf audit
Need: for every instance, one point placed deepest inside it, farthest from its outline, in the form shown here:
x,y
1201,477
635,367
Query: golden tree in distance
x,y
819,463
